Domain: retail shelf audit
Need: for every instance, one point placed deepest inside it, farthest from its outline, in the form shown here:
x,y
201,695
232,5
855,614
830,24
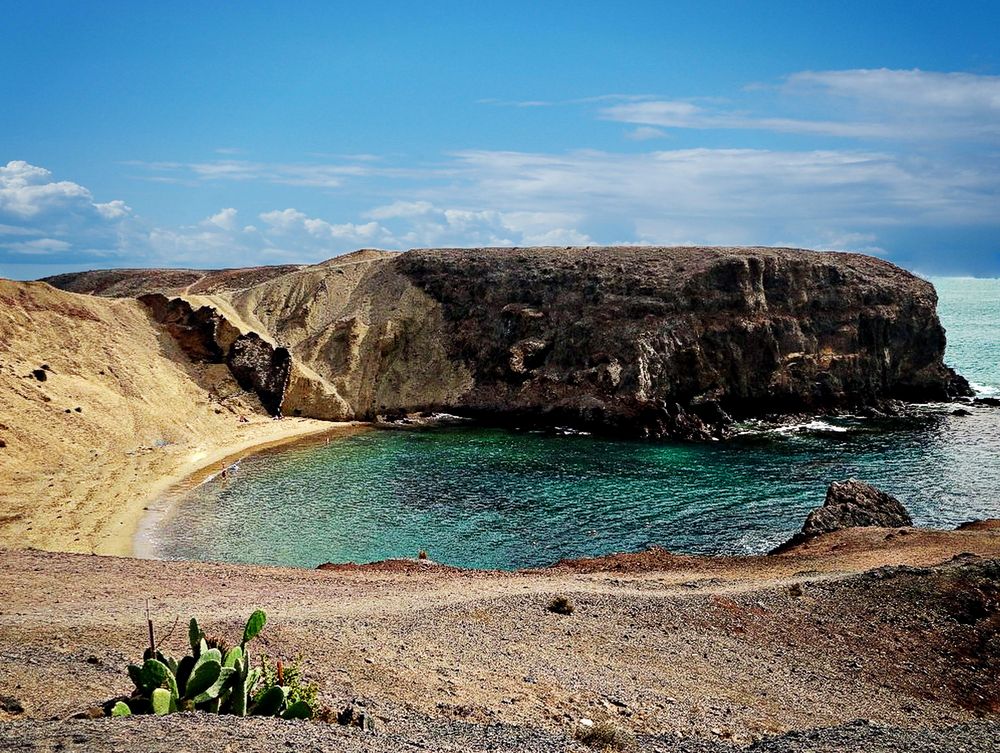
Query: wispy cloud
x,y
597,99
676,114
858,104
645,133
326,175
957,93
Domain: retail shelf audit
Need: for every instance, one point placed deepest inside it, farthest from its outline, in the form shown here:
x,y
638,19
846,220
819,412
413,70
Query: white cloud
x,y
826,198
961,93
731,196
293,224
60,217
422,223
672,114
26,191
645,133
113,210
400,209
320,175
861,104
225,219
39,246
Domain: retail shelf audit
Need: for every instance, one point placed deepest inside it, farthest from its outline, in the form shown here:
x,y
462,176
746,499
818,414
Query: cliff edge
x,y
640,341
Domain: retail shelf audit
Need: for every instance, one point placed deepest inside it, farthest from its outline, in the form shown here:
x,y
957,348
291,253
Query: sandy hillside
x,y
119,413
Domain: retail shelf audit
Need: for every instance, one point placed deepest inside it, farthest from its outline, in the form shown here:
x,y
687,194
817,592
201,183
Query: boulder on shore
x,y
854,503
850,504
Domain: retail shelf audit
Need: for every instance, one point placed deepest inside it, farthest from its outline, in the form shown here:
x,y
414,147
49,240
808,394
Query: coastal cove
x,y
492,498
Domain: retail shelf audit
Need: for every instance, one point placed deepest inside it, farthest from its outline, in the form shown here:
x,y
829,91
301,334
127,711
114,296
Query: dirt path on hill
x,y
704,650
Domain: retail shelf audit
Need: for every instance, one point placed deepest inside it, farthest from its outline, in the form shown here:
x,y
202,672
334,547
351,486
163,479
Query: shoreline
x,y
169,488
266,433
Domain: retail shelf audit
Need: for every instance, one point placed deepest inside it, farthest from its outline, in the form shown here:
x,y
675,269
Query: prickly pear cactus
x,y
210,680
270,702
163,703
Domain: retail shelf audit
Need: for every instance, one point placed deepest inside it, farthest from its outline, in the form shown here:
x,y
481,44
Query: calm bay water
x,y
494,498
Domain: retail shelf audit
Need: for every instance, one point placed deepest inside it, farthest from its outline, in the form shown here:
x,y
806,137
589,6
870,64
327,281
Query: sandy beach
x,y
100,413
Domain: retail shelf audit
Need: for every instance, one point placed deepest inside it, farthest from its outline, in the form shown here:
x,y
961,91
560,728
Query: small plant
x,y
288,676
561,605
606,736
216,678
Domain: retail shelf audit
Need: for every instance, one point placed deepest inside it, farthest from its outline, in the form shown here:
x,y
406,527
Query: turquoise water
x,y
969,308
495,498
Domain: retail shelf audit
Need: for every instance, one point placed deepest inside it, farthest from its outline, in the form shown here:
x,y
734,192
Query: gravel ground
x,y
689,654
189,732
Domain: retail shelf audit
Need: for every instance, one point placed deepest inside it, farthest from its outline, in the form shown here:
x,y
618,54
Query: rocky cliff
x,y
642,341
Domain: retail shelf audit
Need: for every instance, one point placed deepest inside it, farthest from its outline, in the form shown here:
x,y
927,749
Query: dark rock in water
x,y
850,504
853,503
670,342
961,412
993,402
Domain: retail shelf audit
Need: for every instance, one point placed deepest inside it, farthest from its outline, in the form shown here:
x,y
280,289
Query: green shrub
x,y
289,676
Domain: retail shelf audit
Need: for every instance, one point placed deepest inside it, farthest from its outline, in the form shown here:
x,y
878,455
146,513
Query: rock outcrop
x,y
641,341
851,504
206,335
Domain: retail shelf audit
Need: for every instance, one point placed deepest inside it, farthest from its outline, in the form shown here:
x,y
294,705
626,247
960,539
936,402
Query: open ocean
x,y
493,498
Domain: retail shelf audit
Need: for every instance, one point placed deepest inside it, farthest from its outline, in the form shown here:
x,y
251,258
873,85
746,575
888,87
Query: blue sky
x,y
140,134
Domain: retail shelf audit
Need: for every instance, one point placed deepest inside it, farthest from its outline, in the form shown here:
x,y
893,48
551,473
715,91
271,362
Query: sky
x,y
228,134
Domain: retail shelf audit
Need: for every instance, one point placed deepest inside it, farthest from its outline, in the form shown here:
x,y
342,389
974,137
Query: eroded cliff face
x,y
650,342
655,341
207,336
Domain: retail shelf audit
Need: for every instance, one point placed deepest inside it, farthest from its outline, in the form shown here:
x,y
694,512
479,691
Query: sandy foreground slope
x,y
121,414
701,653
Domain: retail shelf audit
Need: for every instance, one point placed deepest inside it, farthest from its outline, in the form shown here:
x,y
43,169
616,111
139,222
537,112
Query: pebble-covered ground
x,y
676,653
